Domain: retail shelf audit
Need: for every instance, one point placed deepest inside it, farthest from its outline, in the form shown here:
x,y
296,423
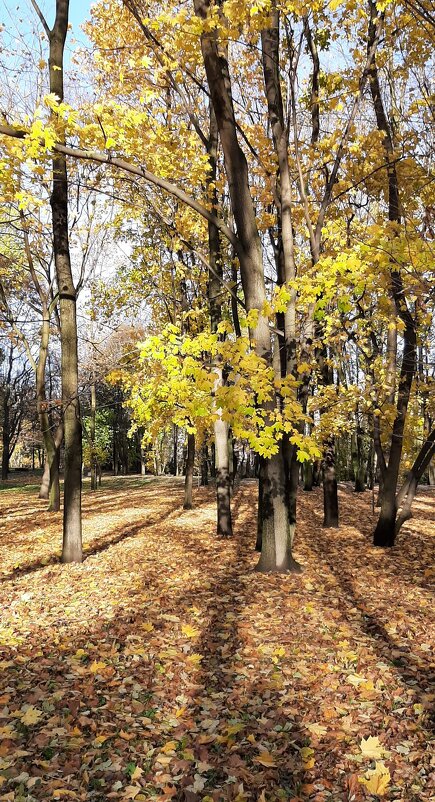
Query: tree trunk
x,y
308,475
6,434
259,541
384,533
143,464
276,540
330,496
190,463
277,531
220,427
204,466
72,521
175,449
92,436
406,494
223,479
360,463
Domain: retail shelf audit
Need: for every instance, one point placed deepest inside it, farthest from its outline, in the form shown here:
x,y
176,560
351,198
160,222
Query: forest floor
x,y
164,667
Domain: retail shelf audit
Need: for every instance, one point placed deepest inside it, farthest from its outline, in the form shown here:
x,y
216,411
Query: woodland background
x,y
216,262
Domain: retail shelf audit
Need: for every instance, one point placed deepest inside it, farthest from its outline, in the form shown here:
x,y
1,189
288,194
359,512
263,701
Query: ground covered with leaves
x,y
164,667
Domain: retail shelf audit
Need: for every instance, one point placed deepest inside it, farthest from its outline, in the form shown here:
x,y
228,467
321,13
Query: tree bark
x,y
92,436
276,542
384,534
190,463
72,522
6,434
220,427
330,496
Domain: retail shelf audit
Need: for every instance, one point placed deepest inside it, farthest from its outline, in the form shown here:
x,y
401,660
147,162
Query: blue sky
x,y
19,18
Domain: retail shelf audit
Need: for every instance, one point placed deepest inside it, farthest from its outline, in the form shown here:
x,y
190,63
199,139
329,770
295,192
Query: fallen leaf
x,y
376,780
371,747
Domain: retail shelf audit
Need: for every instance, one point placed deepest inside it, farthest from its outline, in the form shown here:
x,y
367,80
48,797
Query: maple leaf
x,y
137,773
189,631
317,729
265,758
131,791
371,747
307,755
97,668
170,746
31,716
195,658
376,780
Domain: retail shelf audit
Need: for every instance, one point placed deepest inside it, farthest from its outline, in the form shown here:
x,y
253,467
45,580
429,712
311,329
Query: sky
x,y
19,19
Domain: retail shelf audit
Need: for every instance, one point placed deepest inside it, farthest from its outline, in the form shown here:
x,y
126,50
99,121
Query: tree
x,y
72,521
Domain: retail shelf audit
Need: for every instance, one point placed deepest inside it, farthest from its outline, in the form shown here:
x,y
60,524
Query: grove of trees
x,y
217,252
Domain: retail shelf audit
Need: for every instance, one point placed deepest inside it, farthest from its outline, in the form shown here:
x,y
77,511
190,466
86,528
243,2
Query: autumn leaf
x,y
169,747
97,667
317,729
31,716
265,759
376,780
307,755
189,631
371,747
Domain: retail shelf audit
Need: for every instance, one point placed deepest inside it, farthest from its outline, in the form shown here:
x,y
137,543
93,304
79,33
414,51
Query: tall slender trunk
x,y
276,543
190,463
204,465
175,449
330,497
50,488
72,522
92,435
385,531
220,427
406,494
6,433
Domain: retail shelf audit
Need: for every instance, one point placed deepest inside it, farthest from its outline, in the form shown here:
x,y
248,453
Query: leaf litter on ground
x,y
165,668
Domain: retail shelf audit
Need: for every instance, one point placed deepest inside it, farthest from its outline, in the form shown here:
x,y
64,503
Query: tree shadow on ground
x,y
413,673
126,687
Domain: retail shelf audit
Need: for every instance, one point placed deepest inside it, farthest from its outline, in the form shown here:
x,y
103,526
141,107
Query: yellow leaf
x,y
100,739
137,773
356,680
189,631
97,668
265,758
376,780
233,728
148,627
170,746
317,729
61,793
31,716
195,658
370,747
131,791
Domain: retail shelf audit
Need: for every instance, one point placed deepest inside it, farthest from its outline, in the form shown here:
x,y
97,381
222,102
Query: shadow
x,y
401,658
168,653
